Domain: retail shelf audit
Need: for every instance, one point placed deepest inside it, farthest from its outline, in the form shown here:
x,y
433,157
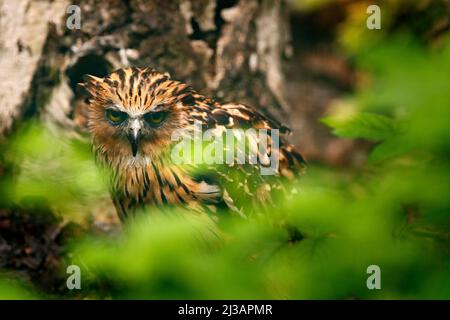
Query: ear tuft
x,y
89,85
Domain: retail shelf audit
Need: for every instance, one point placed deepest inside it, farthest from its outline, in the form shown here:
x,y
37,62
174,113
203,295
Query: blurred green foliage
x,y
393,212
47,168
12,290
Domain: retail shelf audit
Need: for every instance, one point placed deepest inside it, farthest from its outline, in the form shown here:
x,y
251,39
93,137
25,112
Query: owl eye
x,y
155,118
115,116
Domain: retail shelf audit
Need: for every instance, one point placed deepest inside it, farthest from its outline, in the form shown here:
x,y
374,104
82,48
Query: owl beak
x,y
134,146
134,137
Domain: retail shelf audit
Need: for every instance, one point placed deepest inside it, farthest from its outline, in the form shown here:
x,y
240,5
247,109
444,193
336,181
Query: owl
x,y
133,116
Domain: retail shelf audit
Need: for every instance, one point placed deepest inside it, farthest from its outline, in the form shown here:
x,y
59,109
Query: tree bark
x,y
227,49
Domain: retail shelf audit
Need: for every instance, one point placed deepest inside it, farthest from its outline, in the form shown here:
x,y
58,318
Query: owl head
x,y
133,112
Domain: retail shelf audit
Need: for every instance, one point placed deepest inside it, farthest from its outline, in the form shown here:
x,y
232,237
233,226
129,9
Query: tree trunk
x,y
227,49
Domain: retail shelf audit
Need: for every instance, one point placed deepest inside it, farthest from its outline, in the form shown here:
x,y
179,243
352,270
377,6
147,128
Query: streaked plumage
x,y
138,152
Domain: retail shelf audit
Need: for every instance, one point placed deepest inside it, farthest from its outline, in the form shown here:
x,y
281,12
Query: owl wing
x,y
249,185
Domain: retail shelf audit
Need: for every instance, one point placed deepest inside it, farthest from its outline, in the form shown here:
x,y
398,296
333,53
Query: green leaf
x,y
363,125
389,149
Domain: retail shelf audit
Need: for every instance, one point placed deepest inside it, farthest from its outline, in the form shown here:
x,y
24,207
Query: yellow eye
x,y
155,118
115,116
